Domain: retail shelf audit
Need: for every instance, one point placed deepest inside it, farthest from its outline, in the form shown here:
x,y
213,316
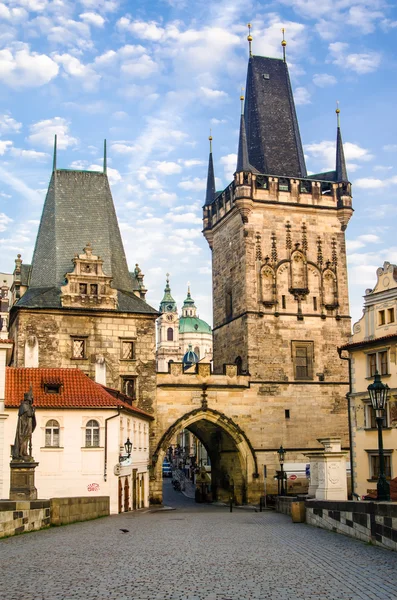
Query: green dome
x,y
193,325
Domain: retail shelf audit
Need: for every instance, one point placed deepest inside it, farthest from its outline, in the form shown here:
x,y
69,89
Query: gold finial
x,y
210,139
249,38
337,113
283,43
242,100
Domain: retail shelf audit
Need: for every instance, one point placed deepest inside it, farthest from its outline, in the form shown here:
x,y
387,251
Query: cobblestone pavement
x,y
194,553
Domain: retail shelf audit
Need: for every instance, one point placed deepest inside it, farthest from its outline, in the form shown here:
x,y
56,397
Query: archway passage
x,y
233,462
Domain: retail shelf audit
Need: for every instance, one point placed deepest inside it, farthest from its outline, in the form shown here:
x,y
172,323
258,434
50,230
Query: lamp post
x,y
128,447
378,393
281,456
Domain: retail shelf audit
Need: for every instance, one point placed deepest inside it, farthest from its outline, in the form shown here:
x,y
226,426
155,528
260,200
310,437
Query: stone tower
x,y
277,236
77,304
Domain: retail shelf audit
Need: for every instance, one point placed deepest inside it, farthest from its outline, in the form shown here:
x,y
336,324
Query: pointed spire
x,y
210,195
243,163
168,304
341,171
249,38
105,165
54,160
284,44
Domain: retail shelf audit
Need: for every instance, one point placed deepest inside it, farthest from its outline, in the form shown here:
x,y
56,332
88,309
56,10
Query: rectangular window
x,y
283,302
129,387
382,363
287,413
82,288
314,303
127,350
381,317
390,315
283,185
78,348
374,466
302,356
94,289
371,365
371,417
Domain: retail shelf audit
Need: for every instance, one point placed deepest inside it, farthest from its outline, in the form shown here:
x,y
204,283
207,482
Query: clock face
x,y
170,307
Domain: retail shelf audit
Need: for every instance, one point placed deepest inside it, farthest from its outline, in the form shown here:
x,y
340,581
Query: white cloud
x,y
4,221
167,168
373,183
229,163
22,68
113,174
29,154
144,30
164,198
361,241
141,67
93,19
324,80
382,168
9,125
14,15
188,217
191,162
4,146
195,184
302,96
325,152
74,68
390,148
42,133
122,148
218,121
360,63
211,94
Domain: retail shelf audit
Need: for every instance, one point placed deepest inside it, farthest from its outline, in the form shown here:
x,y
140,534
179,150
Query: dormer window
x,y
52,388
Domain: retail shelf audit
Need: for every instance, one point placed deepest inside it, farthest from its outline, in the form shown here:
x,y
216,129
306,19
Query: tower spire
x,y
249,38
105,161
210,194
168,303
284,44
341,171
243,163
54,160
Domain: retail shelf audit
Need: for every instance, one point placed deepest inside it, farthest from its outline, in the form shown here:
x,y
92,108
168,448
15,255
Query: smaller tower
x,y
189,309
167,330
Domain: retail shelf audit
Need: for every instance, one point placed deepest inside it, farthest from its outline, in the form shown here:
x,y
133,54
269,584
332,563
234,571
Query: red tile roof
x,y
76,390
370,342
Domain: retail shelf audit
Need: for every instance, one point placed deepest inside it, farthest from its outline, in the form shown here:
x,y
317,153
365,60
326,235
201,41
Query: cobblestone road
x,y
194,553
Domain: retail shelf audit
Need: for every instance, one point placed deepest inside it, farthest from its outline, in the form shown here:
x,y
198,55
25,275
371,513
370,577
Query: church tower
x,y
77,304
277,236
167,330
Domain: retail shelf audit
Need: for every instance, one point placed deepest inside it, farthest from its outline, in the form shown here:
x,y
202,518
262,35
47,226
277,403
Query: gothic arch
x,y
268,284
330,290
232,455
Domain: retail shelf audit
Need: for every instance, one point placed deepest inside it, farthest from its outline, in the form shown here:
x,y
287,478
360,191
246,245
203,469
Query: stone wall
x,y
22,516
103,332
374,522
70,510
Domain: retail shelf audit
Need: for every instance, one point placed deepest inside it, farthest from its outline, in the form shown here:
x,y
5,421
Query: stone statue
x,y
25,427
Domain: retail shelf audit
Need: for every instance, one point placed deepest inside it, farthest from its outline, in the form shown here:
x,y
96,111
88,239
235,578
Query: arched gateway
x,y
233,461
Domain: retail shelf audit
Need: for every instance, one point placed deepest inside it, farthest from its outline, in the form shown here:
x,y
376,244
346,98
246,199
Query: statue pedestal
x,y
328,471
22,480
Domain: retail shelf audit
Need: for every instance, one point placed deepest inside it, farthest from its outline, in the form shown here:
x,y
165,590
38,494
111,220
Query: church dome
x,y
190,358
193,325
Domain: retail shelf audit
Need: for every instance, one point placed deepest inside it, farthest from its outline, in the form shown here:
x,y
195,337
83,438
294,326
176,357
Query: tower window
x,y
127,350
170,334
197,351
82,288
283,302
381,317
287,413
314,303
129,387
302,356
78,348
94,289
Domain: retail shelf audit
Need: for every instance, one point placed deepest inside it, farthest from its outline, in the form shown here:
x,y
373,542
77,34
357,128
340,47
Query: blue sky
x,y
152,78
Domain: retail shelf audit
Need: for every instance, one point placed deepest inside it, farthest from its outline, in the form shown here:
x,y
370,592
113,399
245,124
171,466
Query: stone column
x,y
331,465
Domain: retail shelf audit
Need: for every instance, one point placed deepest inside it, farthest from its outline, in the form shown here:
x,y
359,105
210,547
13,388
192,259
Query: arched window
x,y
197,351
92,434
52,434
170,334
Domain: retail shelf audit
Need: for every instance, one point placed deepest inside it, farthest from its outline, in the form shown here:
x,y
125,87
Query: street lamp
x,y
128,447
281,456
378,393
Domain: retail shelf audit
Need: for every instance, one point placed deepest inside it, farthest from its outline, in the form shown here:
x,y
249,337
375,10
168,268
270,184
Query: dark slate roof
x,y
210,193
243,163
328,176
341,171
78,209
274,143
25,273
50,297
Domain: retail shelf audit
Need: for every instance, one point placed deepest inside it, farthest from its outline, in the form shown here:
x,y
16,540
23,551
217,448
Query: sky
x,y
153,78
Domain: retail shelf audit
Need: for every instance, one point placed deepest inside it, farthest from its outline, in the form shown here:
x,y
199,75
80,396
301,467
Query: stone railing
x,y
373,522
21,516
71,510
